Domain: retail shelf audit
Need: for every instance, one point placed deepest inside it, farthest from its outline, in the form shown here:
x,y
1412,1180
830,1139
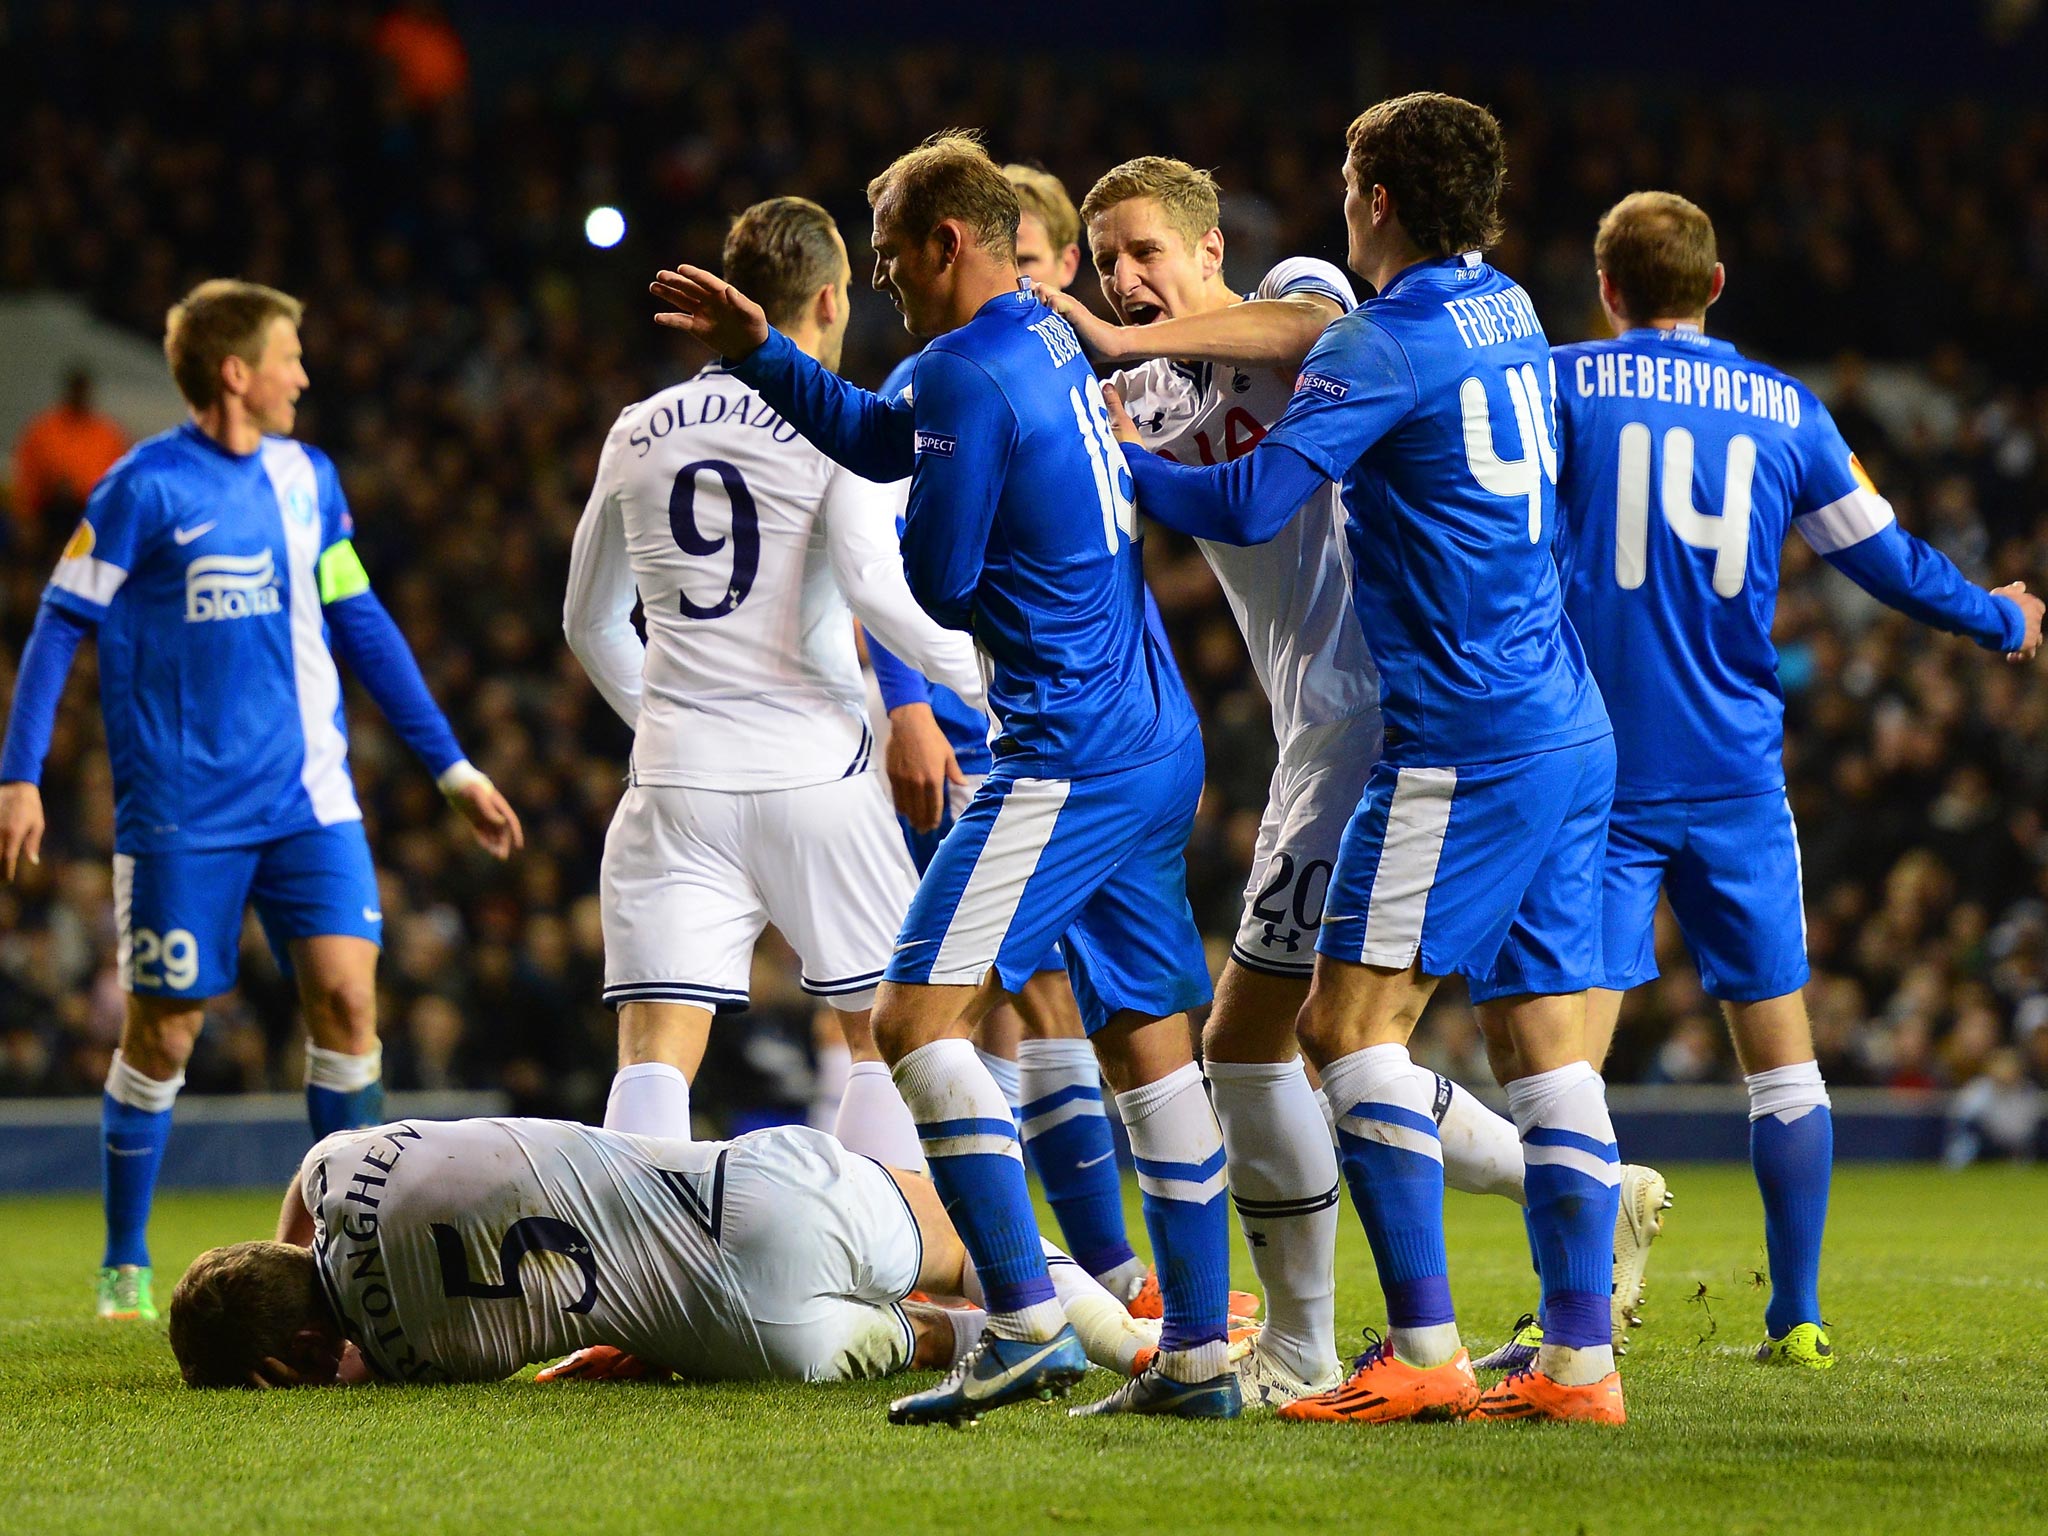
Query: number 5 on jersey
x,y
1106,458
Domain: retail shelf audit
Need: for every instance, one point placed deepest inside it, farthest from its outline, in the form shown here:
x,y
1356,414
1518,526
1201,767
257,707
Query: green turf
x,y
1935,1419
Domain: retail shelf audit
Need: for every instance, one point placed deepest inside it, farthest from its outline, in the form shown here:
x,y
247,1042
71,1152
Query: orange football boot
x,y
1244,1331
1384,1390
601,1362
1151,1305
1533,1395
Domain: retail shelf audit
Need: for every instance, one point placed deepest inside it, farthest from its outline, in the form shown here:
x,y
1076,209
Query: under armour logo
x,y
1158,420
1291,938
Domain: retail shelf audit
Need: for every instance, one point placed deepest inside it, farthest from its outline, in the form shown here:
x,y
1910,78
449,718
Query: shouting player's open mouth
x,y
1142,313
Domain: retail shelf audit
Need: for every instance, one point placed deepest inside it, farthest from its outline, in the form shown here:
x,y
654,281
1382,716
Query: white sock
x,y
1171,1121
1482,1150
1329,1114
828,1082
1110,1335
341,1072
1791,1093
126,1085
650,1099
874,1121
1286,1185
1007,1076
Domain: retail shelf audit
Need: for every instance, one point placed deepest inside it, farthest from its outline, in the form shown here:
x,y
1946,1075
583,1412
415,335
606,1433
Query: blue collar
x,y
1433,269
1690,336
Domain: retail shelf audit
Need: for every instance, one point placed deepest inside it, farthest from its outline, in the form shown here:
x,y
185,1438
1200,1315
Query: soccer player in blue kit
x,y
1476,848
215,566
1685,465
1020,528
936,758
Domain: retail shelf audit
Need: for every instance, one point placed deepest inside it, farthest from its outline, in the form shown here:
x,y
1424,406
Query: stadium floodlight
x,y
604,227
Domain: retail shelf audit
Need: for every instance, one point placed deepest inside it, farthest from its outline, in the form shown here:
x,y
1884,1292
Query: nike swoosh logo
x,y
372,915
975,1389
115,1151
187,535
914,944
1099,1158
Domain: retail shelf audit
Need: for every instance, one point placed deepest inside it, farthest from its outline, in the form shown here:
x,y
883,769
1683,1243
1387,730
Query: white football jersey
x,y
1292,597
465,1250
747,546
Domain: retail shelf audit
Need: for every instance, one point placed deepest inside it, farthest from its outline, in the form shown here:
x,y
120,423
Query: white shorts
x,y
820,1246
691,876
1318,784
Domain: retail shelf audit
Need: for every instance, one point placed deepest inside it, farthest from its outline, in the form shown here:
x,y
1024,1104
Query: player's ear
x,y
825,306
1070,266
948,239
234,375
1720,282
315,1353
1211,248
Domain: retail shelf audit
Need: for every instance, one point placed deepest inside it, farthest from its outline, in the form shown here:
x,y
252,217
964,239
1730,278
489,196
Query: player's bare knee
x,y
158,1035
341,1013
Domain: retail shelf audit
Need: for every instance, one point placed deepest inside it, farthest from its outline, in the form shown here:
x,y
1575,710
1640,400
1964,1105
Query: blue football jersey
x,y
202,570
966,727
1431,404
1020,528
1685,466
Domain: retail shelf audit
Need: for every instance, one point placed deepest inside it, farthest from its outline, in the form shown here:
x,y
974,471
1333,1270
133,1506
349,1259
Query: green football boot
x,y
1806,1344
124,1294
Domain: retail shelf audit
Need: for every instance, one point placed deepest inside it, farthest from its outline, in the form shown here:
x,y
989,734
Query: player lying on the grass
x,y
1206,372
1476,848
936,758
1685,466
752,796
426,1251
1020,528
216,567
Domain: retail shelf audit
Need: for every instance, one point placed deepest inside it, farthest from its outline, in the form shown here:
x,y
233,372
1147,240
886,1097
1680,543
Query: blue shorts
x,y
924,846
1491,872
179,914
1100,861
1731,869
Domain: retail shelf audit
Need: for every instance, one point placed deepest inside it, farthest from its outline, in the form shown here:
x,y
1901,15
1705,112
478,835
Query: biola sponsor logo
x,y
231,587
940,443
1321,384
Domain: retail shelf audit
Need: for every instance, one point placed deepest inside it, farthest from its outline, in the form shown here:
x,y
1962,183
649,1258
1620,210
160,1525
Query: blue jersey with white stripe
x,y
202,570
1685,466
1431,405
1020,528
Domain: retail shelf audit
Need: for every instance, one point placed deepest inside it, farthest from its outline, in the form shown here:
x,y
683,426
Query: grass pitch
x,y
1934,1420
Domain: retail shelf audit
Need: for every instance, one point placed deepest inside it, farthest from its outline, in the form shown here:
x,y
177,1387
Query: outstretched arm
x,y
855,427
1259,333
1924,584
1247,501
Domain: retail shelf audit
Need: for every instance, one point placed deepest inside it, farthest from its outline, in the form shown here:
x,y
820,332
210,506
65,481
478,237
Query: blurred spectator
x,y
59,458
426,51
1998,1114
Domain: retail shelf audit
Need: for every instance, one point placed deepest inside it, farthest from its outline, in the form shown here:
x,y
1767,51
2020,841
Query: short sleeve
x,y
1836,503
120,516
1305,276
1354,388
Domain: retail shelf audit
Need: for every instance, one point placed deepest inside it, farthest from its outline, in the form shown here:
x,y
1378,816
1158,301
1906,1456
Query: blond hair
x,y
1658,250
1186,194
236,1305
1042,195
950,176
223,317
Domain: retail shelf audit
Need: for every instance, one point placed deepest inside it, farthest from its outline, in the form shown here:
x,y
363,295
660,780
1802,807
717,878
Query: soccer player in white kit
x,y
1204,373
435,1251
752,796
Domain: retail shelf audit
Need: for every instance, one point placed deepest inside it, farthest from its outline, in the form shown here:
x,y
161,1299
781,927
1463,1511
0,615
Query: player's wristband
x,y
459,775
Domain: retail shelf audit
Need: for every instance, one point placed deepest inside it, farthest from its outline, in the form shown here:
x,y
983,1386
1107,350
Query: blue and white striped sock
x,y
343,1092
971,1143
1387,1142
135,1127
1178,1148
1792,1150
1574,1194
1066,1133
